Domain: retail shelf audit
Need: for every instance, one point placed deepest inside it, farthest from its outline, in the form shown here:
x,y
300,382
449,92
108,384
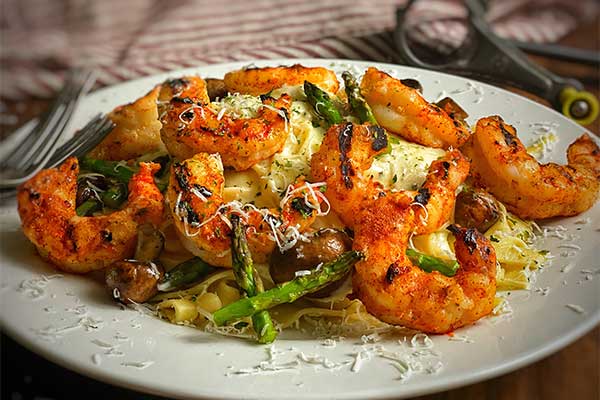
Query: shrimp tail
x,y
473,250
145,199
477,273
584,154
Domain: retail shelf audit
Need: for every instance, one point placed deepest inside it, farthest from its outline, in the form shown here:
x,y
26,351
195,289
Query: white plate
x,y
186,363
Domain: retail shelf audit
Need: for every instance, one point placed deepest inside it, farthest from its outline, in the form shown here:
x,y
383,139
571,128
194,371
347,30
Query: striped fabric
x,y
40,39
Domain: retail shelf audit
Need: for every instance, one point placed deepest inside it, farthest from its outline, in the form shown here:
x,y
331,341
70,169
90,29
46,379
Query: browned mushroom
x,y
412,83
132,281
323,246
452,109
136,280
476,208
216,88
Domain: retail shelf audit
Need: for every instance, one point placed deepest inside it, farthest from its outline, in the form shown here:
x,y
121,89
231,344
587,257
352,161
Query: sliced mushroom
x,y
412,83
216,88
136,280
476,208
325,245
132,281
452,109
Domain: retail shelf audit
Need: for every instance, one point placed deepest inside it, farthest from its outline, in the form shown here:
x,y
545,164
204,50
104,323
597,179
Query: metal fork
x,y
79,145
84,140
36,149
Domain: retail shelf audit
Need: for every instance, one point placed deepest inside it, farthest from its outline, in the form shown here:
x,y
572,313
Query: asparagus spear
x,y
162,177
116,169
88,207
243,269
322,104
430,263
187,272
289,291
113,197
357,102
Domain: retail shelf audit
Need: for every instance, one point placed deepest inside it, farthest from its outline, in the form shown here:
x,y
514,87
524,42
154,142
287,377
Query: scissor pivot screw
x,y
580,109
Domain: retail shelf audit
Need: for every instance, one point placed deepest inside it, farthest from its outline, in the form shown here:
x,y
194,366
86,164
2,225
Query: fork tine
x,y
82,90
85,140
51,135
18,155
49,138
20,150
102,130
73,143
91,135
52,142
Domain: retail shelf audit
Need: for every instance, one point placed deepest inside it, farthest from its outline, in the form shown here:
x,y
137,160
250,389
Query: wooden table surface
x,y
572,373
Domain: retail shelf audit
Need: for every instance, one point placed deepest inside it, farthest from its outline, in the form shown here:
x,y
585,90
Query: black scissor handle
x,y
490,57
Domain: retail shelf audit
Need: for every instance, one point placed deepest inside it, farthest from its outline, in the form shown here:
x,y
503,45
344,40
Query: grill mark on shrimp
x,y
509,138
181,174
470,237
33,195
185,100
393,271
423,196
446,166
345,142
106,235
380,139
177,84
71,238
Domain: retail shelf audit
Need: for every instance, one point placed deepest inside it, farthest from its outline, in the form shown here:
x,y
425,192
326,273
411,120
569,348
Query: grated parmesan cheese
x,y
577,308
137,364
567,267
34,288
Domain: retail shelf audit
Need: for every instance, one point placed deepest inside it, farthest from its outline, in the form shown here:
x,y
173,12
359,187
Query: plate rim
x,y
448,383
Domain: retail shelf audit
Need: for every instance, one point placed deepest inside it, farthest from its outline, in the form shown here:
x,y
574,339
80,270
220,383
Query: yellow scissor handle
x,y
579,105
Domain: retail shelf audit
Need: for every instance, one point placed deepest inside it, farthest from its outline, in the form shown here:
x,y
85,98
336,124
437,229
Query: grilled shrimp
x,y
136,131
191,126
82,244
501,164
201,217
257,81
347,152
187,87
402,110
398,292
137,125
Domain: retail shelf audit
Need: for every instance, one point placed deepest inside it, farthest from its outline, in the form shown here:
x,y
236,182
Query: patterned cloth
x,y
122,40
